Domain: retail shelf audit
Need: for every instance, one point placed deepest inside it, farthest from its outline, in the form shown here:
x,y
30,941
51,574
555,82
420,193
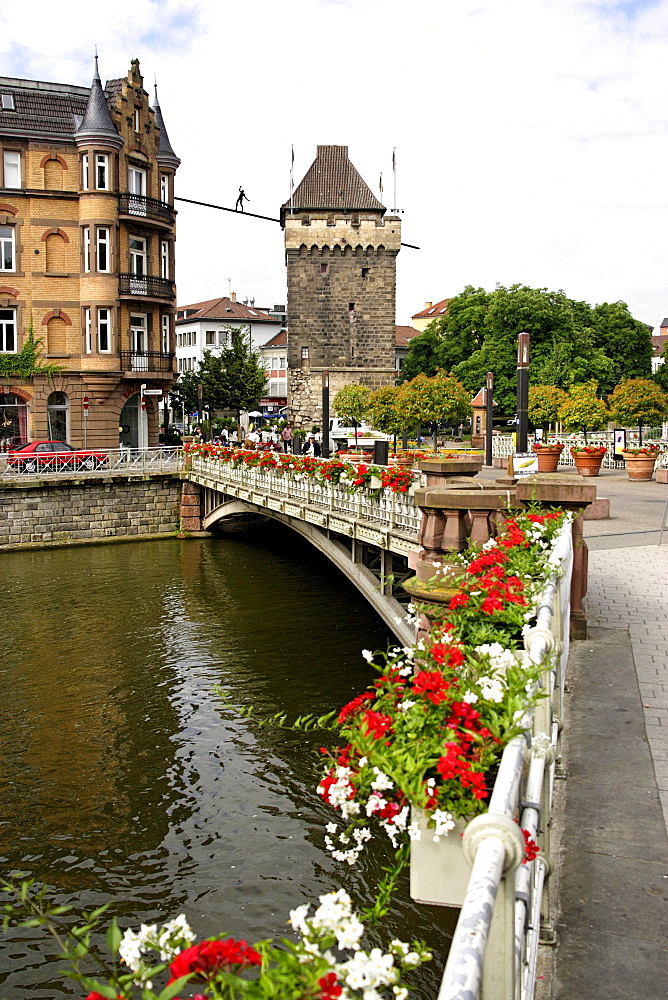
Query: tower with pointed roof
x,y
87,226
341,251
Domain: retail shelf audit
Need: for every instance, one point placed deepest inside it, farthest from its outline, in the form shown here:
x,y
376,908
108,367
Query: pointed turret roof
x,y
97,124
166,154
331,183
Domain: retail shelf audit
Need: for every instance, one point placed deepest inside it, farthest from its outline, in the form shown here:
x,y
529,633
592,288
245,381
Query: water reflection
x,y
123,774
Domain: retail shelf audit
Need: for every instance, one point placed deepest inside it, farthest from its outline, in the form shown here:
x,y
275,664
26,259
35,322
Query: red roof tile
x,y
433,311
225,309
404,334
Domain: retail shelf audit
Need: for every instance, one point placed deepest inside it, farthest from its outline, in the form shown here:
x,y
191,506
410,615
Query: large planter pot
x,y
548,458
587,464
640,468
439,873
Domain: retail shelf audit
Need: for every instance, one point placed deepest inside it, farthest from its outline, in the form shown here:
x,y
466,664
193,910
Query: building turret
x,y
341,251
166,156
97,125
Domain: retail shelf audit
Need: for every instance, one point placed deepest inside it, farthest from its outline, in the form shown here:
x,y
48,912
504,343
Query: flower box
x,y
588,460
439,872
547,455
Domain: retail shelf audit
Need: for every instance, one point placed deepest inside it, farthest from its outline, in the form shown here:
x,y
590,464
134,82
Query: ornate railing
x,y
146,361
146,284
503,447
147,208
91,461
495,946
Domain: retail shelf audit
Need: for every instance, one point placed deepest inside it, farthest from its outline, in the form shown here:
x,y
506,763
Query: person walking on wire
x,y
240,200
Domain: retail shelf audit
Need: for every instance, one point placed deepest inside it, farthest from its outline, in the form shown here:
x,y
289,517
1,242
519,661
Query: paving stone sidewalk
x,y
628,588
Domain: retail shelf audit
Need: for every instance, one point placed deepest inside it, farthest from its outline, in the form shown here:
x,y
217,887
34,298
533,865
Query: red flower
x,y
531,848
354,706
458,601
432,684
329,987
209,957
490,605
377,724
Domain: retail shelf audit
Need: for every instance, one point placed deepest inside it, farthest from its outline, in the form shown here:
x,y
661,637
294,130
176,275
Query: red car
x,y
53,456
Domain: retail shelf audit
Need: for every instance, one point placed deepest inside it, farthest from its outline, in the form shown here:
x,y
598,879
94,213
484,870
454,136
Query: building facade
x,y
87,229
274,355
431,311
341,252
207,326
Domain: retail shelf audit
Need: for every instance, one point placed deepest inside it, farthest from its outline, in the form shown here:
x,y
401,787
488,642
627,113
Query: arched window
x,y
55,253
56,336
13,421
57,408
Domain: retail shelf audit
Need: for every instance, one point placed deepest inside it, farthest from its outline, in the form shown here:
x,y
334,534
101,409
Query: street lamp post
x,y
523,341
325,414
489,404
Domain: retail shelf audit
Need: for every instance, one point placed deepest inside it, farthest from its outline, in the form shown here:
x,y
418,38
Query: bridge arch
x,y
388,607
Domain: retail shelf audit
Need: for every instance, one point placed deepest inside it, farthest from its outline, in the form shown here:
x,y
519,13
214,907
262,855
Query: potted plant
x,y
351,404
640,462
548,455
638,401
583,411
588,458
437,400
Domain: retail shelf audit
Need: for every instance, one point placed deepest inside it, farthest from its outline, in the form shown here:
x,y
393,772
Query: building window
x,y
164,188
102,171
138,336
8,102
7,331
137,255
304,353
323,268
84,172
164,259
57,408
137,181
103,331
164,340
210,338
88,345
222,338
283,363
12,170
194,338
103,249
137,120
86,249
7,249
351,307
365,272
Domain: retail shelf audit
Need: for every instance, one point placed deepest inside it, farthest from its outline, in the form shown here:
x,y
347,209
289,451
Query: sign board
x,y
85,405
153,392
525,463
619,443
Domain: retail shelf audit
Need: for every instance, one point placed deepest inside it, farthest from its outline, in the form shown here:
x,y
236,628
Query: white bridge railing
x,y
503,447
494,949
93,461
391,510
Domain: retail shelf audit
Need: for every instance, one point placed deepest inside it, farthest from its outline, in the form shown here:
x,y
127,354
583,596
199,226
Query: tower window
x,y
304,353
365,272
351,307
306,221
323,268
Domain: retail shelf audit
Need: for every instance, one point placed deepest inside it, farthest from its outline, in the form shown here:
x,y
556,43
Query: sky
x,y
530,135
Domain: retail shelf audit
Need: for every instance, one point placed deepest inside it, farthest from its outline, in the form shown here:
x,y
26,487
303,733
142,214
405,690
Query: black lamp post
x,y
523,341
489,404
325,415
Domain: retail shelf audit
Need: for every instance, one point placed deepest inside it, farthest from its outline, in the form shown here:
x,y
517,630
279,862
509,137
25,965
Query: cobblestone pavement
x,y
628,588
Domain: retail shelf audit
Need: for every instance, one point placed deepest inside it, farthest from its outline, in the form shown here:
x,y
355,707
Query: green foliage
x,y
423,356
303,723
583,410
544,403
233,379
384,413
638,401
626,341
437,400
351,403
25,363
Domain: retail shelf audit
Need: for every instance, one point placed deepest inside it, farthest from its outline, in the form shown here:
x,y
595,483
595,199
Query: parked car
x,y
53,456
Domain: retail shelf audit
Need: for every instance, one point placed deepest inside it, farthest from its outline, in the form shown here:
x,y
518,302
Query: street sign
x,y
85,404
153,392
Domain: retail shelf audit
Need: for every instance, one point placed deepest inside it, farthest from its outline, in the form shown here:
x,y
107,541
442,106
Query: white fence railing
x,y
393,510
93,461
495,946
503,447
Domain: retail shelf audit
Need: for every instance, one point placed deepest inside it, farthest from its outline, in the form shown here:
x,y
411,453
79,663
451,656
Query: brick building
x,y
341,252
87,230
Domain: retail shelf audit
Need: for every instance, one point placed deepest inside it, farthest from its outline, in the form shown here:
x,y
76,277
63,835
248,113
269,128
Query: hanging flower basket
x,y
640,463
588,459
548,455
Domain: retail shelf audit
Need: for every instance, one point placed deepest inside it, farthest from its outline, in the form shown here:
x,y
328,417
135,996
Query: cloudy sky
x,y
530,135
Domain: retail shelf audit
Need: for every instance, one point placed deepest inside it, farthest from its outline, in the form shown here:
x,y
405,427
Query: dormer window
x,y
7,102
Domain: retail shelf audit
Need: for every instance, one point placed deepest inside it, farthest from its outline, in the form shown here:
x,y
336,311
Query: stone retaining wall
x,y
88,508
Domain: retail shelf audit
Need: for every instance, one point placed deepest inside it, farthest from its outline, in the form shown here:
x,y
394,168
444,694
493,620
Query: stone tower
x,y
341,252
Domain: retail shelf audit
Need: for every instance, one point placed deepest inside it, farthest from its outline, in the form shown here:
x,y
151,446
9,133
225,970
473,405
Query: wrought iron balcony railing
x,y
146,208
145,284
146,361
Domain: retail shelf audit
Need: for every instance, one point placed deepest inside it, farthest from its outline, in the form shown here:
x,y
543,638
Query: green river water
x,y
123,775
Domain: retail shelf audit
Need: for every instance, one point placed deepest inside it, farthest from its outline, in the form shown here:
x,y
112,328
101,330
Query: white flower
x,y
491,688
400,992
444,823
298,919
404,705
414,831
368,655
381,782
470,698
375,803
399,947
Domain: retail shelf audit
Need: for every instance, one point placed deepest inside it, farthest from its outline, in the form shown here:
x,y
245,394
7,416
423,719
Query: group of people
x,y
271,437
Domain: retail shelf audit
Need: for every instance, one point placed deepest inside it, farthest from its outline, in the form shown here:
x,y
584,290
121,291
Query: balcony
x,y
138,206
152,362
146,286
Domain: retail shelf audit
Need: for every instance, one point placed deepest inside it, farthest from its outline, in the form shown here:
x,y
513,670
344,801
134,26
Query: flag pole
x,y
292,176
394,171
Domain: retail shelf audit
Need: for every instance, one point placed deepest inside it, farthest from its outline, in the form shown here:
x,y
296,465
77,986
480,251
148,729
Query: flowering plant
x,y
651,449
433,726
230,969
398,478
539,445
588,449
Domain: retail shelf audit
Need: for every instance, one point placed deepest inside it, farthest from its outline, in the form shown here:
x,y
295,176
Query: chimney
x,y
233,296
427,305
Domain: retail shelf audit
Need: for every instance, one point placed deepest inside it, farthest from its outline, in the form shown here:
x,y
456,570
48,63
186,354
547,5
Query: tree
x,y
382,410
235,378
437,400
449,339
183,394
626,341
423,354
583,410
351,404
638,401
544,403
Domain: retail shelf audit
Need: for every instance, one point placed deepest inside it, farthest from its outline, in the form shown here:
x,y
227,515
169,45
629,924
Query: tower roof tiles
x,y
332,182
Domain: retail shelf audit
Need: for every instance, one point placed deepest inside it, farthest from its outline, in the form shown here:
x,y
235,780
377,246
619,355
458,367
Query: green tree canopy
x,y
233,379
438,400
351,403
638,401
583,410
383,412
544,403
626,341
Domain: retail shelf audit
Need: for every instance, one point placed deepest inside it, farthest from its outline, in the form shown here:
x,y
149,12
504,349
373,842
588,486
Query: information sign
x,y
525,463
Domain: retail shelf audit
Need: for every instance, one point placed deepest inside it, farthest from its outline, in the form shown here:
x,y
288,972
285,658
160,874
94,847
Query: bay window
x,y
102,171
103,249
88,346
7,331
103,331
7,249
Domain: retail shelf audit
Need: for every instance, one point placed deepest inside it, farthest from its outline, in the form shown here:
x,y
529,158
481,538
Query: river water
x,y
123,775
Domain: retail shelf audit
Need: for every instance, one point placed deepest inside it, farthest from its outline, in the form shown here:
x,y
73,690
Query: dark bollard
x,y
381,452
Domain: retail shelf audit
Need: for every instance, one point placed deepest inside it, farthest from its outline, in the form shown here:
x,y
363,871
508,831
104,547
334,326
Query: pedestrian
x,y
311,447
286,437
198,434
224,436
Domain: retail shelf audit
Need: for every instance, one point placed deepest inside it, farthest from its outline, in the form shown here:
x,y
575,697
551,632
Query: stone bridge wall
x,y
62,511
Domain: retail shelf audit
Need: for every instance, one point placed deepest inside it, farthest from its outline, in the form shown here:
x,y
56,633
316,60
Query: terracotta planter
x,y
548,458
640,468
587,464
